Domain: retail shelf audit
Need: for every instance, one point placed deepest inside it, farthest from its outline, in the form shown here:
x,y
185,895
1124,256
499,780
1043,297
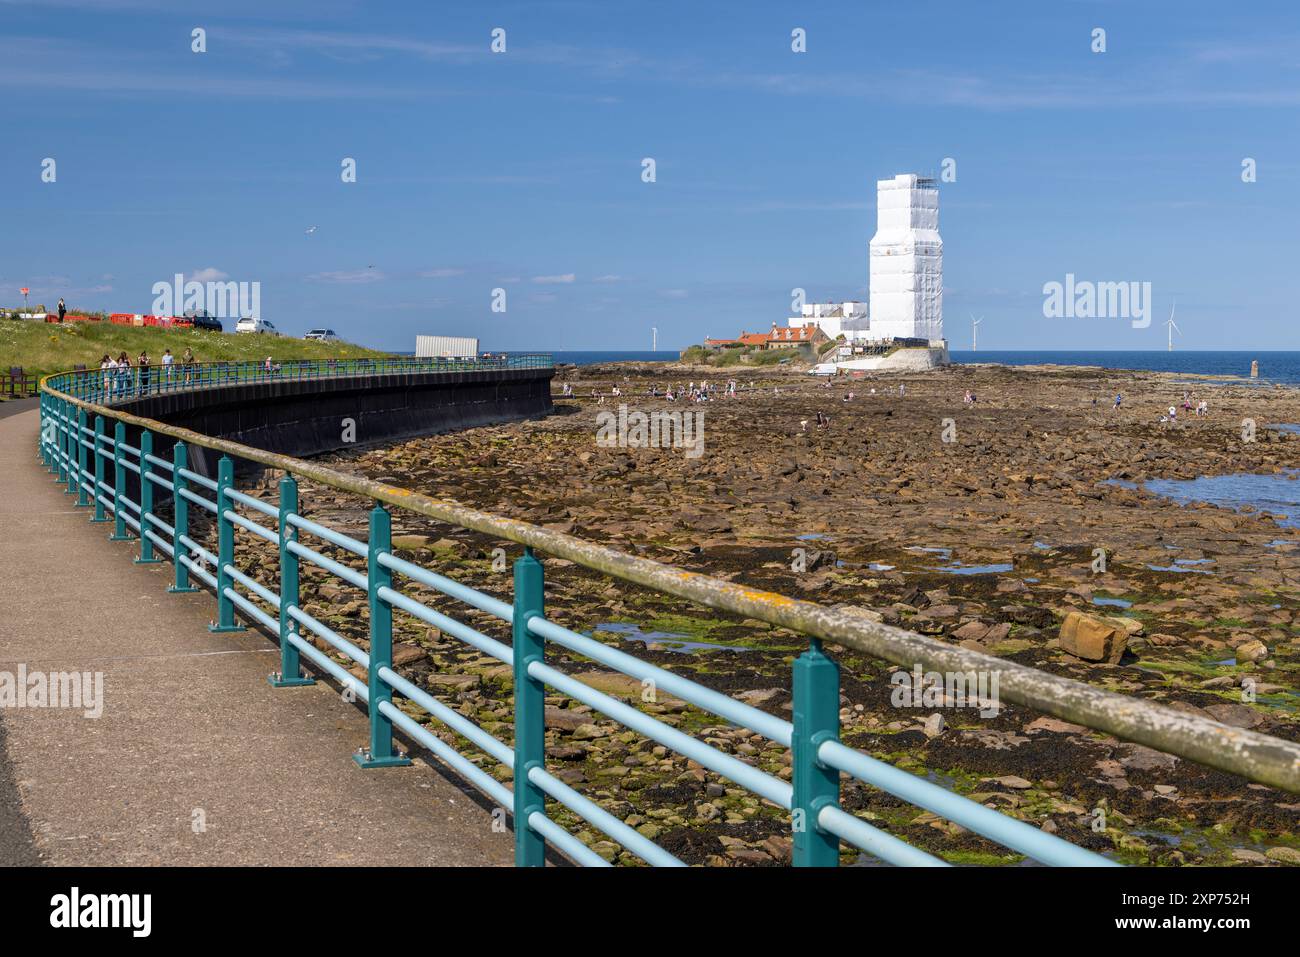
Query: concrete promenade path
x,y
191,730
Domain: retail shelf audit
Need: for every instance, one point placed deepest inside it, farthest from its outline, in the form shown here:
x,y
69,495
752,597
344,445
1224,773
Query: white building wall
x,y
832,318
907,261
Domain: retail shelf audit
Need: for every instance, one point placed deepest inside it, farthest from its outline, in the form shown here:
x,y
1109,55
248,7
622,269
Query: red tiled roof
x,y
804,333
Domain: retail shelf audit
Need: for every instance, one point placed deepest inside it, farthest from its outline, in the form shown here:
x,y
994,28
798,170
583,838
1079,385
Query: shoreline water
x,y
1278,367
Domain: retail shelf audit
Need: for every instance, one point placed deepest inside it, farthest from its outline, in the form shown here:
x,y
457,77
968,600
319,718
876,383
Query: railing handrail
x,y
127,383
1253,755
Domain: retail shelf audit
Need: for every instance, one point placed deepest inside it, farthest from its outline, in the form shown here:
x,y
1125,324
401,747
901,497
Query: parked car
x,y
322,335
206,322
263,326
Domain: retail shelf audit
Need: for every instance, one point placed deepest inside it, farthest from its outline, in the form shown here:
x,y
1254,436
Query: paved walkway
x,y
190,726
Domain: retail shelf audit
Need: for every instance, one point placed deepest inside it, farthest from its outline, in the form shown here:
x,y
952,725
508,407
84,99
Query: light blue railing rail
x,y
111,386
81,453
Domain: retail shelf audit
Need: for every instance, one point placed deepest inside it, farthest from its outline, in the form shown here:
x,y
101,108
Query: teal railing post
x,y
146,500
42,442
60,439
47,435
69,472
225,548
119,485
380,753
816,720
530,711
82,501
52,446
180,519
290,674
97,493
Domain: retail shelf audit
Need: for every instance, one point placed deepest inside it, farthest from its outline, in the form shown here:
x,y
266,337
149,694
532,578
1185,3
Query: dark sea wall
x,y
305,417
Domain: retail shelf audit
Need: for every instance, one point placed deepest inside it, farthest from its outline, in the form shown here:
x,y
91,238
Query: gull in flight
x,y
310,230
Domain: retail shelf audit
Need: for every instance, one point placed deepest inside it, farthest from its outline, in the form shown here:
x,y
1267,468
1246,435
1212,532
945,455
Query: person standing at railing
x,y
168,360
143,363
188,361
123,374
108,368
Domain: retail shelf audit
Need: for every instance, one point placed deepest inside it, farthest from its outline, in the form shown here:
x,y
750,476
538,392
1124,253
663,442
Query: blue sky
x,y
522,170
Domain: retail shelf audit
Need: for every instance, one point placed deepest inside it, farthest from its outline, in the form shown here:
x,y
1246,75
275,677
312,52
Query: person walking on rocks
x,y
1119,397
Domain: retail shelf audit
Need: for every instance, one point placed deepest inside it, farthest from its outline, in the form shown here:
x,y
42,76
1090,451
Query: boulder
x,y
1253,650
1092,638
971,631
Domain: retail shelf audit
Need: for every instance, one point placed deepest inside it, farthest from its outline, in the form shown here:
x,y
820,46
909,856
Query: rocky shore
x,y
988,524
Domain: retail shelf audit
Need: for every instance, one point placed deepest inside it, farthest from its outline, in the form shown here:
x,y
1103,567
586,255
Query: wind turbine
x,y
1172,326
974,332
654,339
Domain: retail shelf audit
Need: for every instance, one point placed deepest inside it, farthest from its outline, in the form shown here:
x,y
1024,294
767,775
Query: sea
x,y
1282,367
600,358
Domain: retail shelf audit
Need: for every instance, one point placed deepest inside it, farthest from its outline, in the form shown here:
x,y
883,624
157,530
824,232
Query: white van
x,y
256,325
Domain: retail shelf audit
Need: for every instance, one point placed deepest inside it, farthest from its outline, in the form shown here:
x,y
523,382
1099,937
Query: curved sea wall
x,y
305,417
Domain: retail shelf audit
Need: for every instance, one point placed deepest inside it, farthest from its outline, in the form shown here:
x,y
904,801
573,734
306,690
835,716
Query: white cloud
x,y
674,293
567,277
348,276
210,274
442,273
609,279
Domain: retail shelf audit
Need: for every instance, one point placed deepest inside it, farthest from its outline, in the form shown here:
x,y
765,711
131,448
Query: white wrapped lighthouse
x,y
906,299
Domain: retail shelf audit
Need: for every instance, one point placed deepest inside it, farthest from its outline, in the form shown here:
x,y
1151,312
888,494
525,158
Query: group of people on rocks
x,y
1190,406
690,392
1201,409
121,377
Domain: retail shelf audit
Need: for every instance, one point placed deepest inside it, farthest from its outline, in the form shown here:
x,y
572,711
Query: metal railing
x,y
818,758
116,385
17,385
